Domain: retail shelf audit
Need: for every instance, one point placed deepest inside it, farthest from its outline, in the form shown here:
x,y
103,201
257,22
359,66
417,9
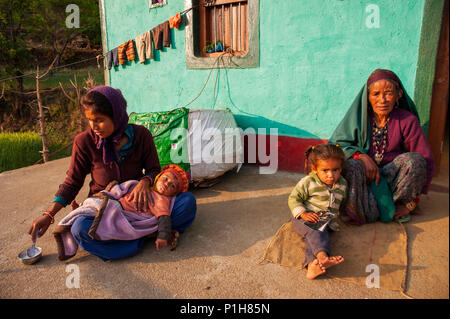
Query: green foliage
x,y
22,149
27,28
13,46
49,21
19,150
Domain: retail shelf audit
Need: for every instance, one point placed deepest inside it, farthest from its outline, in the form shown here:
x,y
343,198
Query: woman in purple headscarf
x,y
111,149
390,162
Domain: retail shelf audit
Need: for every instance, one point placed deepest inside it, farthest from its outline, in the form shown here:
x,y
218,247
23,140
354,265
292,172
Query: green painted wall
x,y
314,58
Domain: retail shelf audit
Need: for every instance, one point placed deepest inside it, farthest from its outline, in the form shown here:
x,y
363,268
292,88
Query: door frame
x,y
440,95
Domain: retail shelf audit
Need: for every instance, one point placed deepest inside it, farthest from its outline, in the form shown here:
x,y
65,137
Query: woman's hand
x,y
40,224
372,170
141,195
160,243
310,217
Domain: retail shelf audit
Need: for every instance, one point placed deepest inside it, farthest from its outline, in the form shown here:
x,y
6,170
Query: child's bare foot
x,y
314,269
328,262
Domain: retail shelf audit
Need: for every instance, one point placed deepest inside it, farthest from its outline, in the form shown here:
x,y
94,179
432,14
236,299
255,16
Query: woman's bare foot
x,y
314,269
328,262
401,211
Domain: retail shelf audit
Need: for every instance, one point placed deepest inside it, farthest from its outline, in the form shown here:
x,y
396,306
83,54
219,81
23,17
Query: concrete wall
x,y
314,57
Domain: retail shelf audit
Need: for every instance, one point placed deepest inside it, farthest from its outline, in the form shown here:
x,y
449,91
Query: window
x,y
222,28
223,25
156,3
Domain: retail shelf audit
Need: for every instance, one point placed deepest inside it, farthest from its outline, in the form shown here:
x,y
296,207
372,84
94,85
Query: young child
x,y
171,181
324,189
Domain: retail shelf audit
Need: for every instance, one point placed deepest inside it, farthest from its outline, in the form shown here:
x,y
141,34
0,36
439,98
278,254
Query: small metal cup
x,y
31,255
30,259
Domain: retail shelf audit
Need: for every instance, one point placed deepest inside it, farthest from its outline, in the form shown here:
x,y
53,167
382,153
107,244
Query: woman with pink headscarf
x,y
389,161
111,149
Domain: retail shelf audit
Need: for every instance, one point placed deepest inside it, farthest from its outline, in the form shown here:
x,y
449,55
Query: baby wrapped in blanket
x,y
116,217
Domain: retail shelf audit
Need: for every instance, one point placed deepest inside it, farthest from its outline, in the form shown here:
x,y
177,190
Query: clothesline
x,y
206,3
57,67
159,36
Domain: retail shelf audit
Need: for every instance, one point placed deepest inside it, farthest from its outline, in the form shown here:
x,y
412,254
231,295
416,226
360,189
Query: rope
x,y
220,57
205,4
57,67
204,85
406,295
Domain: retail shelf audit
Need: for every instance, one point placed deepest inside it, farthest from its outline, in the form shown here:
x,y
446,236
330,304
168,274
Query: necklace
x,y
379,139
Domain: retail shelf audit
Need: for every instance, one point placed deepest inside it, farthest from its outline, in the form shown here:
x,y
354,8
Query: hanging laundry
x,y
161,35
127,49
144,46
174,22
112,57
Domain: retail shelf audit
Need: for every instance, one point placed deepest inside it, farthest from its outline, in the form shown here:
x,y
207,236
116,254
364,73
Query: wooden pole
x,y
41,120
3,91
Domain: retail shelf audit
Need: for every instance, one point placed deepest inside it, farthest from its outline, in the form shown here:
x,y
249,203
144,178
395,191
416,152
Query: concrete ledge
x,y
217,256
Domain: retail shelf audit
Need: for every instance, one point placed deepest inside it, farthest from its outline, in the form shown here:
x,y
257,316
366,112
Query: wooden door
x,y
440,101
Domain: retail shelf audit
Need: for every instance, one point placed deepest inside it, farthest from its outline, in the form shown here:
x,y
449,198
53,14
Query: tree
x,y
49,23
33,32
13,47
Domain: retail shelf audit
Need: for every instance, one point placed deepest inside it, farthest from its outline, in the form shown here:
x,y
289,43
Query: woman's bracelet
x,y
412,204
49,214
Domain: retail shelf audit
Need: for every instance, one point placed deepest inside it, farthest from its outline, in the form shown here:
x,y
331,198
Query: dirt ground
x,y
217,256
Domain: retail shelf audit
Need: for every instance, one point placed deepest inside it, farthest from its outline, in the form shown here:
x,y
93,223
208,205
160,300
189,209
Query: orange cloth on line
x,y
127,49
175,21
161,207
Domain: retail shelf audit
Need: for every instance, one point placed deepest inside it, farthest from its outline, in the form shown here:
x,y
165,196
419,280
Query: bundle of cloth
x,y
116,218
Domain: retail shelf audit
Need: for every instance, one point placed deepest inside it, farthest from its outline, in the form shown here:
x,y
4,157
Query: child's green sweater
x,y
312,195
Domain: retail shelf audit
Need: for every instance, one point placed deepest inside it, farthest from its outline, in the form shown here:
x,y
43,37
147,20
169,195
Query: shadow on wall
x,y
256,121
245,119
290,151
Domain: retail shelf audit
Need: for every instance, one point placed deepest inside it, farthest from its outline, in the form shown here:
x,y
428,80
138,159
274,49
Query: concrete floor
x,y
217,256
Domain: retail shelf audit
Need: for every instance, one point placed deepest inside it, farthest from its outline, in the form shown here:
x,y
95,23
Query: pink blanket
x,y
111,222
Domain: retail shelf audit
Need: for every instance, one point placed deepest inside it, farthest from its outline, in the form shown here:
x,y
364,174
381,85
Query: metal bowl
x,y
29,259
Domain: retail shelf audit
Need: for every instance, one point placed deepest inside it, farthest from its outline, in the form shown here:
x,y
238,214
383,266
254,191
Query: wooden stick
x,y
55,152
68,96
3,91
41,117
